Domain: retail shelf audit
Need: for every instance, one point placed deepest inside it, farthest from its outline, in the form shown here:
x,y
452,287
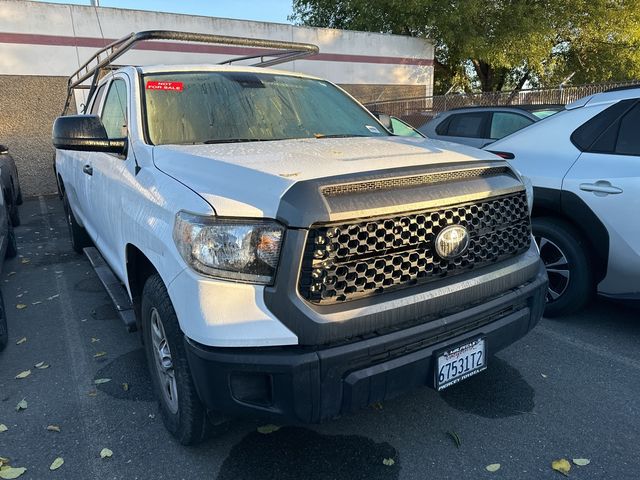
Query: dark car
x,y
10,184
480,126
8,249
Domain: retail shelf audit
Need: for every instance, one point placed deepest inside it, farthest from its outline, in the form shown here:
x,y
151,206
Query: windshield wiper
x,y
239,140
339,135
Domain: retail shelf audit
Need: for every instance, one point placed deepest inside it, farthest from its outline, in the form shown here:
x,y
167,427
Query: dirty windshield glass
x,y
223,107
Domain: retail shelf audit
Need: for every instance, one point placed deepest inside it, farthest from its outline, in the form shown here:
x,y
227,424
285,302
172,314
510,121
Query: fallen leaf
x,y
456,438
270,428
20,306
53,296
561,465
92,393
9,473
25,260
388,462
99,354
21,341
94,339
3,427
24,374
41,365
543,375
125,387
98,381
22,405
493,467
105,453
3,461
36,303
53,428
10,273
57,463
581,462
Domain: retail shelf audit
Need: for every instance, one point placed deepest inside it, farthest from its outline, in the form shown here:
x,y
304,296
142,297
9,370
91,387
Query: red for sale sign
x,y
171,86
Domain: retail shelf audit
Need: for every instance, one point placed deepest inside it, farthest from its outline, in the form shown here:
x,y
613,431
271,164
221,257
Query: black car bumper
x,y
304,384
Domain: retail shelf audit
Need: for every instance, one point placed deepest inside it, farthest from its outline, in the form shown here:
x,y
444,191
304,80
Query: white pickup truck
x,y
281,252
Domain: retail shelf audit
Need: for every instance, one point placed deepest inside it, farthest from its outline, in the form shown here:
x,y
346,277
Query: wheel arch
x,y
139,268
572,209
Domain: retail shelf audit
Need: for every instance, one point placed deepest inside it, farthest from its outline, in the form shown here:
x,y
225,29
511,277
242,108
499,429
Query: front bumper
x,y
310,384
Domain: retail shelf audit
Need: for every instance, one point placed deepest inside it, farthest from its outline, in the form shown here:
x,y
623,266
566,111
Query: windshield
x,y
223,107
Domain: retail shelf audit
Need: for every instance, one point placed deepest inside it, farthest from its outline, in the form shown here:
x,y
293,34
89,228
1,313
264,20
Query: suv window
x,y
96,100
595,134
464,125
628,142
114,112
505,123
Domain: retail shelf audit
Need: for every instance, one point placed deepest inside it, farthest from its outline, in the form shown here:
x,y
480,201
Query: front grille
x,y
370,256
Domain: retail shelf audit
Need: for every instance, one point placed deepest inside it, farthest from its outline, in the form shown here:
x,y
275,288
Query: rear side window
x,y
597,129
505,123
464,125
628,141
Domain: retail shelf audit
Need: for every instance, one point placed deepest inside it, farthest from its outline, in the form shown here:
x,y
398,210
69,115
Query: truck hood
x,y
249,179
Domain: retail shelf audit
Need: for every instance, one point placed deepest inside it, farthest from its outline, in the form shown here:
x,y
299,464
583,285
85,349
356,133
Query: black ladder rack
x,y
275,52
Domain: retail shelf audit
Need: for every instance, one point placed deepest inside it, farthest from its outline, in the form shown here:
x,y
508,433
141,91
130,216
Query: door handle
x,y
88,169
600,188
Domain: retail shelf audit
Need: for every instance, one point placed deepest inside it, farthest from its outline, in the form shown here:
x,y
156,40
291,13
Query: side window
x,y
96,100
629,133
401,128
595,134
114,112
467,125
505,123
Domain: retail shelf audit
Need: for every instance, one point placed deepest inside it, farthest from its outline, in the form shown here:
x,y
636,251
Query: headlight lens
x,y
234,249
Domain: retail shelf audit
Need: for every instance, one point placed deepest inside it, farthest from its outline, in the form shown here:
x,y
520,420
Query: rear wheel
x,y
564,254
79,237
183,413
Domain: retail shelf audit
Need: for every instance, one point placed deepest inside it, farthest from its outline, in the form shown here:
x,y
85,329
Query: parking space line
x,y
79,366
589,347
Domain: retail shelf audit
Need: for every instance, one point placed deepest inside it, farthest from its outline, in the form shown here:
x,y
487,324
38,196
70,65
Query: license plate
x,y
459,363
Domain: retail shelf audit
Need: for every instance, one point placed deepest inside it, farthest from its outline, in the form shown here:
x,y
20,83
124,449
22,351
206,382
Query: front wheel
x,y
564,254
79,236
183,413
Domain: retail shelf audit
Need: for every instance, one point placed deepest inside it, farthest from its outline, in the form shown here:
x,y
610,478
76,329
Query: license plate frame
x,y
461,352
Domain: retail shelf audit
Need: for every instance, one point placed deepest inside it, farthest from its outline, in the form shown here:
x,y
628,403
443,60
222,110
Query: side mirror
x,y
85,133
4,149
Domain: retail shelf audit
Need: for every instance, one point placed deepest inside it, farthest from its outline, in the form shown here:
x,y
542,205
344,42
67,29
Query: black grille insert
x,y
370,256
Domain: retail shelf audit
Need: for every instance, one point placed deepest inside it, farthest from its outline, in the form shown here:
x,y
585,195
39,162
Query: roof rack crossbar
x,y
277,52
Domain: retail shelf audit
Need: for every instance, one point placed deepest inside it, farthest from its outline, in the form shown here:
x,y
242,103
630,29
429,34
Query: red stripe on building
x,y
62,41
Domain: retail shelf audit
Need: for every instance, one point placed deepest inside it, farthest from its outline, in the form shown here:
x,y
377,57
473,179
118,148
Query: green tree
x,y
495,45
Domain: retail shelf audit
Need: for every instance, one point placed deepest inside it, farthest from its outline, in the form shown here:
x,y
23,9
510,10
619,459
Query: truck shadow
x,y
498,392
293,453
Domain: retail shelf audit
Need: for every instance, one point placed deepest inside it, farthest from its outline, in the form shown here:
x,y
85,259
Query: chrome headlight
x,y
234,249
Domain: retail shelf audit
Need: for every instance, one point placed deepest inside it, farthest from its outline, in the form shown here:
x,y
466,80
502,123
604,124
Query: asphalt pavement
x,y
570,389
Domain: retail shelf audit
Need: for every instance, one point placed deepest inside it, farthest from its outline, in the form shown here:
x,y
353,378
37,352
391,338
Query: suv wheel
x,y
183,413
564,254
79,236
12,247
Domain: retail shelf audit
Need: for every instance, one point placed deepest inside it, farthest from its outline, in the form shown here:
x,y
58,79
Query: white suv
x,y
584,163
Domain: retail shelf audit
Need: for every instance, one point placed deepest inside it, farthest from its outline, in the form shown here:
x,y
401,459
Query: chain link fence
x,y
418,110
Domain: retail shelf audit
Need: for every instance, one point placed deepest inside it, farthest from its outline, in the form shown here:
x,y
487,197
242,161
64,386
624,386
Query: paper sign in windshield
x,y
170,86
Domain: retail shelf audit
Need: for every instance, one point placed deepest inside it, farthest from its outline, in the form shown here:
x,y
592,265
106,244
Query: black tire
x,y
14,214
12,247
19,197
564,252
4,331
185,416
79,237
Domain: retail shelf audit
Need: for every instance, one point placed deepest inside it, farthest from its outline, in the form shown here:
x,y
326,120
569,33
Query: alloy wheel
x,y
164,362
557,265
